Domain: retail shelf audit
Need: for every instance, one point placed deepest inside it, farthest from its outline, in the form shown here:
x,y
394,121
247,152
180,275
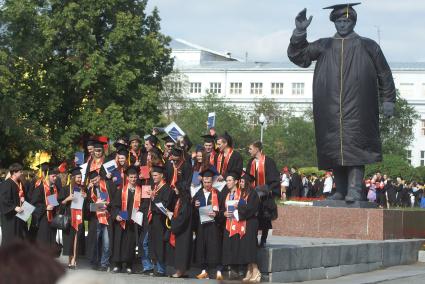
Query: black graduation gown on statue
x,y
273,183
238,251
180,256
235,164
45,233
124,242
184,173
209,236
345,109
93,221
68,235
157,228
12,227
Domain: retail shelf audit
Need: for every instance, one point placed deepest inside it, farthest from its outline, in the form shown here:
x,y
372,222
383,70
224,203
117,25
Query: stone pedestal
x,y
349,223
343,204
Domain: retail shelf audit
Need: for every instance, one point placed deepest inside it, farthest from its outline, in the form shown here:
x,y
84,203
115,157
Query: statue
x,y
350,74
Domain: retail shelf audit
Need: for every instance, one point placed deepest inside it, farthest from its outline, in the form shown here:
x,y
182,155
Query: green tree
x,y
70,68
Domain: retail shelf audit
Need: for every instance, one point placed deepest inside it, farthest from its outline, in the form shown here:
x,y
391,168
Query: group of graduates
x,y
159,184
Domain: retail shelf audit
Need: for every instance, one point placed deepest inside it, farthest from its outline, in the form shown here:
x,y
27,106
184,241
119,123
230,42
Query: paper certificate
x,y
77,201
110,166
83,171
203,214
219,185
137,217
97,206
164,210
52,200
27,211
146,191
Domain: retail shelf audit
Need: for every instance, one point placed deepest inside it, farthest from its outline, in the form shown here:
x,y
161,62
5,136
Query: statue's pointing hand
x,y
301,21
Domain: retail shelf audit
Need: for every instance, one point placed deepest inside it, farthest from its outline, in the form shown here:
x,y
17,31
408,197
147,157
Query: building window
x,y
256,88
409,156
235,88
422,158
195,88
277,88
298,88
423,127
176,87
407,89
215,88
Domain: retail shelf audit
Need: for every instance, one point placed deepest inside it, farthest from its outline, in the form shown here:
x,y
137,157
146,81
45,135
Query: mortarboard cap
x,y
233,174
123,152
132,170
75,171
118,146
208,138
53,170
341,10
176,151
158,169
210,172
98,144
93,174
153,139
91,141
43,166
227,138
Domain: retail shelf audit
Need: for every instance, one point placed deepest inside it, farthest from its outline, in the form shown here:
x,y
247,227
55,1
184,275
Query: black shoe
x,y
159,274
103,268
115,270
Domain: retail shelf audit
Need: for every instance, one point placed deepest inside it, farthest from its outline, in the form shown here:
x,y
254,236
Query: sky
x,y
262,28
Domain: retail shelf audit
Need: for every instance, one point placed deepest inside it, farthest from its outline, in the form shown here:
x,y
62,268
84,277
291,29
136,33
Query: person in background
x,y
328,184
284,185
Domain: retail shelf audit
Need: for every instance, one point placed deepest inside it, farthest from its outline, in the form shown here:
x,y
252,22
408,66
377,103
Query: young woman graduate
x,y
240,234
125,229
73,237
179,248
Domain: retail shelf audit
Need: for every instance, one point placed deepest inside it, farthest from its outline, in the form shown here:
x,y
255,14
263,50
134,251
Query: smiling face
x,y
344,26
132,178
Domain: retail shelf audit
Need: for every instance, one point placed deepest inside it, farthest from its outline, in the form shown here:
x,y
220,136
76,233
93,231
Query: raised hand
x,y
301,22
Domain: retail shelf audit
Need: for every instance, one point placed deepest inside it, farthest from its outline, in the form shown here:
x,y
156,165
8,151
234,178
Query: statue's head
x,y
344,18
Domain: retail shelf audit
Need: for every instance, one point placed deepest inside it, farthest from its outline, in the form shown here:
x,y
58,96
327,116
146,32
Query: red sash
x,y
124,198
260,177
95,165
101,216
214,199
76,216
47,193
176,169
223,170
232,226
175,214
155,191
212,156
20,189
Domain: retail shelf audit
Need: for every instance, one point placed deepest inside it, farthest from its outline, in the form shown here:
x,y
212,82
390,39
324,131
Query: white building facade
x,y
242,83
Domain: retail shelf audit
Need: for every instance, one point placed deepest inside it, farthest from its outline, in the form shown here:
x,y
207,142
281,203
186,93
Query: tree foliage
x,y
73,68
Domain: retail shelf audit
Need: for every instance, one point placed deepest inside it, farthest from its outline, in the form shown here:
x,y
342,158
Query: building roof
x,y
182,45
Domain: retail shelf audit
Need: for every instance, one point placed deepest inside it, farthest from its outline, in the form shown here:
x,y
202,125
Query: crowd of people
x,y
178,207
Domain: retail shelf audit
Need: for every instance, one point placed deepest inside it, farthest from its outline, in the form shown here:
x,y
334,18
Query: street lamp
x,y
262,120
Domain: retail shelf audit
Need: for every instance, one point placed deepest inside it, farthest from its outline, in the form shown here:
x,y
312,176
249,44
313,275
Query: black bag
x,y
269,209
61,221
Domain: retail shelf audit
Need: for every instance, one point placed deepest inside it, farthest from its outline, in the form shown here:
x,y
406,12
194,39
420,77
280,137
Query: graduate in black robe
x,y
267,182
99,238
161,193
179,246
209,236
73,237
44,212
227,159
125,229
247,212
178,168
12,196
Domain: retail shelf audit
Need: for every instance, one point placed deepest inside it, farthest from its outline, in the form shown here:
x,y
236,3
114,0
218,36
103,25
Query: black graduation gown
x,y
157,228
296,185
273,183
180,256
346,113
93,221
235,164
237,251
45,233
68,235
209,236
12,227
184,173
124,242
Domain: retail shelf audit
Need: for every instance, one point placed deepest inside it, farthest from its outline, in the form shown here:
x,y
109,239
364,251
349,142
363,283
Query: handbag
x,y
61,221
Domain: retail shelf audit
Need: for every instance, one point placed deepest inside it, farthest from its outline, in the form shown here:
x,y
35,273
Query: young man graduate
x,y
100,192
227,160
12,197
209,234
178,168
124,205
162,193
